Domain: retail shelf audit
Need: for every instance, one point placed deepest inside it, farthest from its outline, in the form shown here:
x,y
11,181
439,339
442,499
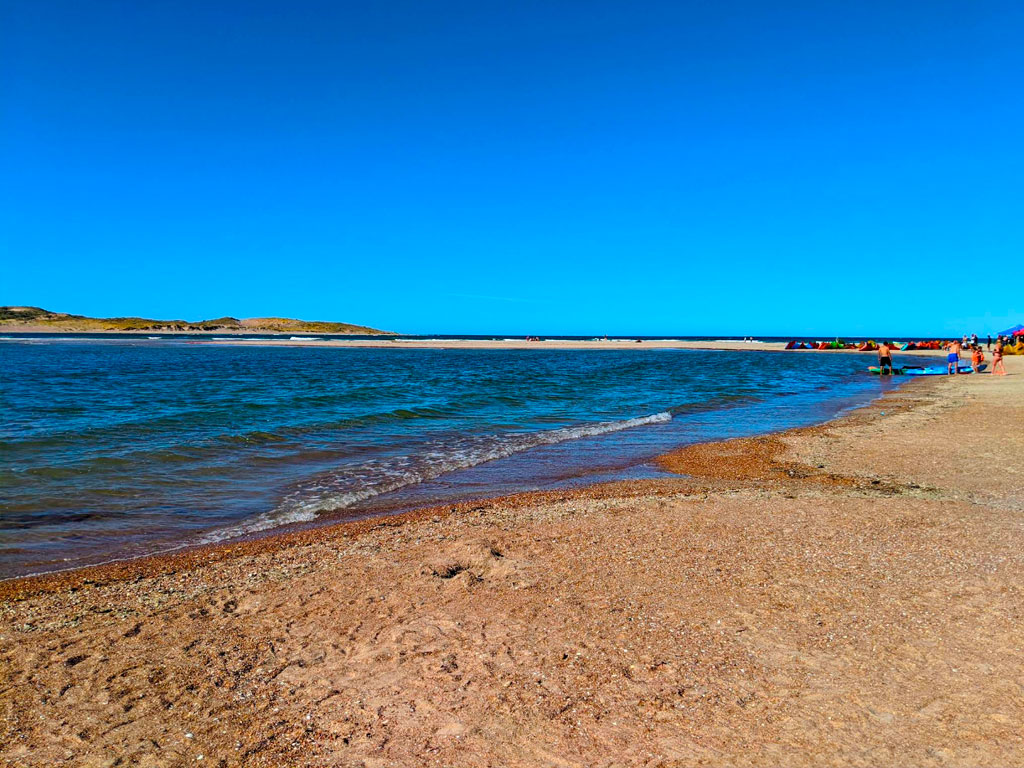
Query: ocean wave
x,y
286,433
719,402
187,421
337,491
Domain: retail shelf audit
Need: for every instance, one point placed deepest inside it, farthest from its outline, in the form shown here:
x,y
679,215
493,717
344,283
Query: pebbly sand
x,y
848,594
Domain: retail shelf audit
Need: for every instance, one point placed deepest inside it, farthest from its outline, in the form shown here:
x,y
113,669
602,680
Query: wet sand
x,y
847,594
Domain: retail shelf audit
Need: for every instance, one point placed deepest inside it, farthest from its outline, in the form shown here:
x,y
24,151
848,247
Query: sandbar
x,y
548,344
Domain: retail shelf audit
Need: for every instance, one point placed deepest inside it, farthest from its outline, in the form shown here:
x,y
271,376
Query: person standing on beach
x,y
884,360
953,358
990,342
998,369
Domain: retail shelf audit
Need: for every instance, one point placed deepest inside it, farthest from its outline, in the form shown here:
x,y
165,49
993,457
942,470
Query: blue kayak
x,y
940,370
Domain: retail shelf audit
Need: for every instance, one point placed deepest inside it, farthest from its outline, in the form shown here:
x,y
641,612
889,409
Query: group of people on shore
x,y
957,348
954,351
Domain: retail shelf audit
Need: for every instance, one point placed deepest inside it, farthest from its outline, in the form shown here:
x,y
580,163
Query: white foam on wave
x,y
338,491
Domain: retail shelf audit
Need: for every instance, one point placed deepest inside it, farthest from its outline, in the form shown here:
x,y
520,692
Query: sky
x,y
719,167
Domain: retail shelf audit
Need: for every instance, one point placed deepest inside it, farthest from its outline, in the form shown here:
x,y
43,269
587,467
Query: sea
x,y
116,447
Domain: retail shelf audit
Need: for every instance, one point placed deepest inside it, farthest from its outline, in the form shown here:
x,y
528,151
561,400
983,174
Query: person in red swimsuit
x,y
997,359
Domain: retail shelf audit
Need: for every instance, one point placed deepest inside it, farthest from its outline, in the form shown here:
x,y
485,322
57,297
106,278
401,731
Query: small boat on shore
x,y
932,370
940,370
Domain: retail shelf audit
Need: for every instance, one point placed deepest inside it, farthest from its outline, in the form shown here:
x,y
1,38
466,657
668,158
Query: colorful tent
x,y
1016,330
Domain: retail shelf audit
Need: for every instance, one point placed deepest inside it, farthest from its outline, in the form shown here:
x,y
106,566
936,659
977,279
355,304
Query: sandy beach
x,y
847,594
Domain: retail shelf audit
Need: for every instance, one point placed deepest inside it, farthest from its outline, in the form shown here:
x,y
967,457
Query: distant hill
x,y
40,320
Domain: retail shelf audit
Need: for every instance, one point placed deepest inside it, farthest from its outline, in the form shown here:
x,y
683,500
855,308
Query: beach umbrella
x,y
1012,331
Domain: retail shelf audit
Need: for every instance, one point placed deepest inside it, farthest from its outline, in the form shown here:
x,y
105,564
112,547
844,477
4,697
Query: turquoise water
x,y
115,448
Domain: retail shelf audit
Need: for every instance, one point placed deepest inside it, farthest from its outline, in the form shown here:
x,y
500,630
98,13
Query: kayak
x,y
877,371
940,370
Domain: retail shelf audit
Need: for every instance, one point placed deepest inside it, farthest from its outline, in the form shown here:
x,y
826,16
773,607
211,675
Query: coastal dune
x,y
846,594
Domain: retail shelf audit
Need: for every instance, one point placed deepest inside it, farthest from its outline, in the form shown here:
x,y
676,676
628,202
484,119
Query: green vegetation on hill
x,y
224,322
35,318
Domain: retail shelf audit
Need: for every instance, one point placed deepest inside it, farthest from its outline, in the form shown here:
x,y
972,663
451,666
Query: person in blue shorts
x,y
953,358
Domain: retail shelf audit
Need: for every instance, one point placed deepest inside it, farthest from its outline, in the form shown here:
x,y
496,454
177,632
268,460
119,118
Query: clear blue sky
x,y
524,167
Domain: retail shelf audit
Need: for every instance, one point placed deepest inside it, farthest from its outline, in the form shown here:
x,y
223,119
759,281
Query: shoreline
x,y
190,555
388,341
35,330
115,552
195,555
554,344
845,593
547,344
